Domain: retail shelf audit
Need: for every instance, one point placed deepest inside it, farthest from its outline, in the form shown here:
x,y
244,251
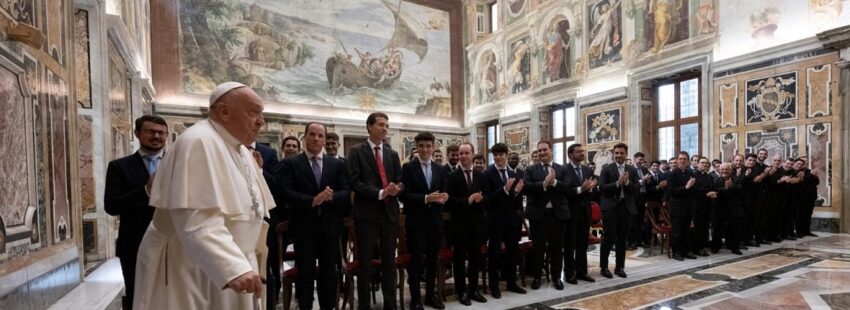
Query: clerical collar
x,y
310,155
372,145
228,138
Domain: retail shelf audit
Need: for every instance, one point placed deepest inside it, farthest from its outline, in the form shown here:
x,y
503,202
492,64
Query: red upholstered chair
x,y
287,276
595,235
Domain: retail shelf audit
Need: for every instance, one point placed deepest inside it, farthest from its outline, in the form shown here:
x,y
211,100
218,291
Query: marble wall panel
x,y
15,188
604,126
728,105
81,58
517,138
818,90
599,156
55,30
772,98
819,151
782,141
85,169
22,11
119,98
58,121
728,146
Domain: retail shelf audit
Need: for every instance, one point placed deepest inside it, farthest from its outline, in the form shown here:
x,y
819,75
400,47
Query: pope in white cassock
x,y
200,250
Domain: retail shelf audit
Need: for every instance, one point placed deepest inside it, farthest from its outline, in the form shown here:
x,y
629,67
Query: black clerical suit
x,y
701,210
750,202
680,206
806,202
315,229
468,227
618,207
424,223
502,223
640,229
775,205
374,219
125,196
575,237
548,212
728,214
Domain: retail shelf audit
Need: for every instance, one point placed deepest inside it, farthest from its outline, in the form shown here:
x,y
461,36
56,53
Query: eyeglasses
x,y
152,132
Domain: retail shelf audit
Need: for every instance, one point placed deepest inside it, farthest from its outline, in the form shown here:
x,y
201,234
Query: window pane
x,y
558,152
558,124
491,135
571,122
494,17
666,142
666,101
689,138
689,98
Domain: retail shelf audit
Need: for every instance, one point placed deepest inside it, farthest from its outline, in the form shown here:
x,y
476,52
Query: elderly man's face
x,y
242,114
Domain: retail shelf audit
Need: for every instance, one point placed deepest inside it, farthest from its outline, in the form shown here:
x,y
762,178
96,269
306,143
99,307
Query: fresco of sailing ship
x,y
384,69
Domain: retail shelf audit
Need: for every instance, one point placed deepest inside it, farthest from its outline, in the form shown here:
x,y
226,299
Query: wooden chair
x,y
595,236
525,247
402,259
657,216
351,265
444,262
287,276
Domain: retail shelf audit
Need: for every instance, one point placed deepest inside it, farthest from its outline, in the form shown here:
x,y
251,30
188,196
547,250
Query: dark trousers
x,y
615,228
503,233
371,235
467,258
639,231
423,243
547,236
773,210
804,216
308,249
273,284
128,269
789,215
575,245
679,233
725,226
748,231
702,221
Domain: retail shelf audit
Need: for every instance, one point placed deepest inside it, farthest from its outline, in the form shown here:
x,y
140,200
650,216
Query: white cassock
x,y
211,200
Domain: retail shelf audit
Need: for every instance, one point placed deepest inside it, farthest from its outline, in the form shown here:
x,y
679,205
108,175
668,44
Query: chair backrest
x,y
401,237
595,212
348,224
281,230
652,214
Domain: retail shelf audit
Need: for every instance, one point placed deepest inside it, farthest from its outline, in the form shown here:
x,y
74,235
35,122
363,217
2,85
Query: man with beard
x,y
728,210
583,185
126,195
479,163
737,164
640,230
789,191
809,193
452,153
775,199
703,198
618,184
748,174
438,157
681,191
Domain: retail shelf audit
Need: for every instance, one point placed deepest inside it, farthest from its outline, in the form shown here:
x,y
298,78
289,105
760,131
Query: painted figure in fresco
x,y
488,78
706,18
663,12
557,50
604,34
519,68
764,23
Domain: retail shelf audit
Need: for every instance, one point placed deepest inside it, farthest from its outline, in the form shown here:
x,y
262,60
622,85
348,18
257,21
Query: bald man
x,y
201,250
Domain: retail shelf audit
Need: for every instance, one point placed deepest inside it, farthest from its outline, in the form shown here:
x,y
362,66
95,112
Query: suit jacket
x,y
681,199
365,182
299,188
538,198
125,197
729,200
463,213
416,187
579,203
503,206
610,191
269,156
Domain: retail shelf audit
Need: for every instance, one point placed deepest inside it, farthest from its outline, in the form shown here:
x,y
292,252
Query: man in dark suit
x,y
681,192
425,184
291,146
704,195
728,210
374,173
618,184
502,220
332,151
314,186
583,185
468,226
640,230
267,159
546,188
126,195
452,154
808,185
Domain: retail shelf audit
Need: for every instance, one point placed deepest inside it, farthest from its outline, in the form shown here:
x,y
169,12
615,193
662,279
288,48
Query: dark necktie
x,y
317,171
503,176
468,174
578,173
381,171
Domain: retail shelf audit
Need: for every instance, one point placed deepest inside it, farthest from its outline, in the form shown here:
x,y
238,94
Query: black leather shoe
x,y
434,301
585,277
463,298
606,273
494,291
619,272
416,306
678,257
515,289
714,251
476,296
792,238
559,285
737,251
535,284
572,280
702,253
810,234
689,256
390,307
744,247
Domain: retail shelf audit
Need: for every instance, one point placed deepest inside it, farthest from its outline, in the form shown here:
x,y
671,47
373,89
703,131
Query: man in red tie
x,y
374,172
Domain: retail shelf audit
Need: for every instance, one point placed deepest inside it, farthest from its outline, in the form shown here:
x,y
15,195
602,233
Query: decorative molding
x,y
728,105
805,48
819,92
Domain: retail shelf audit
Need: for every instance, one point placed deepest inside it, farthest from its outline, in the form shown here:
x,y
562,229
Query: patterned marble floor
x,y
810,273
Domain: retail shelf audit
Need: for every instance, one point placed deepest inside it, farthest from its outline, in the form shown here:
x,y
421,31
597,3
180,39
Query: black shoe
x,y
750,243
702,253
619,272
714,251
434,301
559,285
689,256
606,273
791,237
737,251
515,289
765,242
476,296
572,280
801,236
810,234
586,277
463,298
744,247
390,307
494,290
535,284
416,306
678,257
631,247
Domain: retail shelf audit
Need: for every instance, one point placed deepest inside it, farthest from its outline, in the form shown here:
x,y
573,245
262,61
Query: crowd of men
x,y
198,231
